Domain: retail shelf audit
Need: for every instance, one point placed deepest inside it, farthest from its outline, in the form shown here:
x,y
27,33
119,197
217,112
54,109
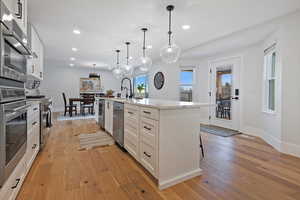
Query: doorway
x,y
225,93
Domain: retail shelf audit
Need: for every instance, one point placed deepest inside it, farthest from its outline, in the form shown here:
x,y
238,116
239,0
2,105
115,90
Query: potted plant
x,y
141,87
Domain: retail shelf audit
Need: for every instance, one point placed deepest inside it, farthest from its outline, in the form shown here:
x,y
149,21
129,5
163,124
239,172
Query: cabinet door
x,y
107,121
111,117
41,60
20,11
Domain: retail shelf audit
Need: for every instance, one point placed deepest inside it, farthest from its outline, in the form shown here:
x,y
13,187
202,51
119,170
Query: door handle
x,y
20,10
235,98
146,112
149,156
17,183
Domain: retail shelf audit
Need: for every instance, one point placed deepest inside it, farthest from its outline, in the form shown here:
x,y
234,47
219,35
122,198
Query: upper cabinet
x,y
35,65
19,9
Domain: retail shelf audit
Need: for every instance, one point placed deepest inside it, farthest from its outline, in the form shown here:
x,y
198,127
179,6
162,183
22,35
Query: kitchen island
x,y
163,136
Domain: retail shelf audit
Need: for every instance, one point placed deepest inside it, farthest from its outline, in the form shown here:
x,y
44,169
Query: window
x,y
186,84
141,86
270,79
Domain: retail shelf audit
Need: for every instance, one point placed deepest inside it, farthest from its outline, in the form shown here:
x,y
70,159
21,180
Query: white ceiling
x,y
106,24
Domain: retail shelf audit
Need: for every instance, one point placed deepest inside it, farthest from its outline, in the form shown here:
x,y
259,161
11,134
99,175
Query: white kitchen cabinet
x,y
33,134
35,65
109,108
96,109
19,9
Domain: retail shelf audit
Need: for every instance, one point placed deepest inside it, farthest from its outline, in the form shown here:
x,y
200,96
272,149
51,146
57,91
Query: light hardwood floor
x,y
237,167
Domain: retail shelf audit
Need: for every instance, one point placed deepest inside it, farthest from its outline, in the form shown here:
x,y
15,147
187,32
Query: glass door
x,y
225,94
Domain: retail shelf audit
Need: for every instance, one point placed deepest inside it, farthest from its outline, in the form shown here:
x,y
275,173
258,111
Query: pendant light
x,y
171,52
94,74
127,68
145,61
117,71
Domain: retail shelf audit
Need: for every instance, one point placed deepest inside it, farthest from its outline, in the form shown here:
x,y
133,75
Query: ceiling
x,y
106,25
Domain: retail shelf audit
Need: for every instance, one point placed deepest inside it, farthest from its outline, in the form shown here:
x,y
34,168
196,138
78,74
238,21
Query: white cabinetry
x,y
19,9
96,109
12,186
141,135
35,65
109,107
33,134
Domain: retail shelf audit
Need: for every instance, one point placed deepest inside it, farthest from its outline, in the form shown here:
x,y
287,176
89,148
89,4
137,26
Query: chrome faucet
x,y
123,88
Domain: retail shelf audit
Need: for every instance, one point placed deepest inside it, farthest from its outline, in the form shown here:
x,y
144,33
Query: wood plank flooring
x,y
239,167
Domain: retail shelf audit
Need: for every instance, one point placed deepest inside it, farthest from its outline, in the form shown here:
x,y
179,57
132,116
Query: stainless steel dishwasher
x,y
118,123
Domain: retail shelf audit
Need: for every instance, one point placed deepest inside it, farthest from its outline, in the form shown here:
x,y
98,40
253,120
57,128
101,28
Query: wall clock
x,y
159,80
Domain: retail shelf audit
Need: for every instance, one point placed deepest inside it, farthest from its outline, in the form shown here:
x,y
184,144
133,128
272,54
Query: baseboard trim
x,y
281,146
180,178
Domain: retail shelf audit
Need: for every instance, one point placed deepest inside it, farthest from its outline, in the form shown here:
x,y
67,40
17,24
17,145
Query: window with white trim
x,y
270,78
186,84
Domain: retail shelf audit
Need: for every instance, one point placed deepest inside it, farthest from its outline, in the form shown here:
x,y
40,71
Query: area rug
x,y
92,140
75,117
224,132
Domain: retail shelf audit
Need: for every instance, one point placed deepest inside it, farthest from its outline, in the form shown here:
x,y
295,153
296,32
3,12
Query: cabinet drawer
x,y
131,107
131,114
148,131
131,146
33,109
148,157
150,113
131,124
14,182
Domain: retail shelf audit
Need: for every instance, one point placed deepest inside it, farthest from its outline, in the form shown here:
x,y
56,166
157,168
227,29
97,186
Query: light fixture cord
x,y
118,52
127,53
144,44
170,32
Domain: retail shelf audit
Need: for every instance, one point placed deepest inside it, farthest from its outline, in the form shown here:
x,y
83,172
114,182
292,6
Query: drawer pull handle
x,y
17,183
146,112
130,113
34,123
145,127
35,109
149,156
34,146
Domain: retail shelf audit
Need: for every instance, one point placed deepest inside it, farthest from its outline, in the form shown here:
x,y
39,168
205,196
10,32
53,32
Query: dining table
x,y
80,100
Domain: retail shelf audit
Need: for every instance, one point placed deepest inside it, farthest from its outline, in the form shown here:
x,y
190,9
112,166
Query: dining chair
x,y
69,108
87,103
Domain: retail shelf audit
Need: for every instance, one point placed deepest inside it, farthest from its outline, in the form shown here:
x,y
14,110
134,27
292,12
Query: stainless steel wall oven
x,y
13,47
13,126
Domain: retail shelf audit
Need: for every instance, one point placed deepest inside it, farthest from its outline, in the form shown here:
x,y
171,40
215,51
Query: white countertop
x,y
159,103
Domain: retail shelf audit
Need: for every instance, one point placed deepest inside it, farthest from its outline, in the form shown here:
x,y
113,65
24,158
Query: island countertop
x,y
159,103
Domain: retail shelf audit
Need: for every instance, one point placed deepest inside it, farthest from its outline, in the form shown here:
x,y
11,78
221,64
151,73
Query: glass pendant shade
x,y
117,72
170,53
127,69
145,64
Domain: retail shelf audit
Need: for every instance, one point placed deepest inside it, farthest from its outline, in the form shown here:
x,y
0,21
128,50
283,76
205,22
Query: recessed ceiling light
x,y
149,47
74,49
76,31
71,65
186,27
72,59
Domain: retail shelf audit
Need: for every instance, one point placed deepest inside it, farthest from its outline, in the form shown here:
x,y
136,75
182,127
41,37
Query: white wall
x,y
66,79
282,129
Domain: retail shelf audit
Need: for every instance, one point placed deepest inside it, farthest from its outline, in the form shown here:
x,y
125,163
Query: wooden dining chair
x,y
69,108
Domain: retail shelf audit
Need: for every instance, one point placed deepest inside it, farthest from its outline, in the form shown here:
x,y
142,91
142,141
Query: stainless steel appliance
x,y
13,47
45,120
101,113
118,123
13,126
